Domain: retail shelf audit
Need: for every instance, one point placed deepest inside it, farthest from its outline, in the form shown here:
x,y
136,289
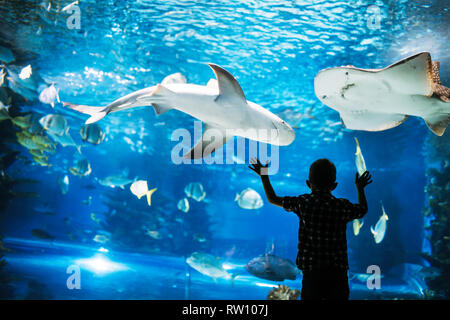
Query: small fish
x,y
63,183
55,124
92,133
49,95
26,142
36,152
22,121
25,73
42,161
81,168
65,140
199,237
88,201
249,199
195,191
363,277
140,188
154,234
95,218
2,77
44,209
357,225
115,181
380,227
41,234
101,238
42,141
183,205
209,265
359,159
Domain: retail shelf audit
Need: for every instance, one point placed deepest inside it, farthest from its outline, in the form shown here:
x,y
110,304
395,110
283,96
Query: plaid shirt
x,y
322,241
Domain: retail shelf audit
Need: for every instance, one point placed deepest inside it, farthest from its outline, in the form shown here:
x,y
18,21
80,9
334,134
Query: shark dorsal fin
x,y
413,75
228,85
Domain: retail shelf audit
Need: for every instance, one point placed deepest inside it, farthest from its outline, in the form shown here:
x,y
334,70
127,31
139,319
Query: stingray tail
x,y
96,113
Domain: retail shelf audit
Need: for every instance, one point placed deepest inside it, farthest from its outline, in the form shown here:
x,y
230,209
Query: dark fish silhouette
x,y
273,268
42,234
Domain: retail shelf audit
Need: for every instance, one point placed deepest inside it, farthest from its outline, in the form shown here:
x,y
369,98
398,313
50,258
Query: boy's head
x,y
322,176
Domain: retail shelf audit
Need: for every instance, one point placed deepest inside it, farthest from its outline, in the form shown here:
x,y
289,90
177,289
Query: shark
x,y
221,105
380,99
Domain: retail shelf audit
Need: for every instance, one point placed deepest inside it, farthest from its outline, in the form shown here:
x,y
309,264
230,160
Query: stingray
x,y
380,99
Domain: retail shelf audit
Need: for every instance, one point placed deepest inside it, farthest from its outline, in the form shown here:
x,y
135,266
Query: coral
x,y
437,227
283,292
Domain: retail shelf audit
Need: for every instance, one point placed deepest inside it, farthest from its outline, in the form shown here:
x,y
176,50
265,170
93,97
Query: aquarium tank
x,y
103,198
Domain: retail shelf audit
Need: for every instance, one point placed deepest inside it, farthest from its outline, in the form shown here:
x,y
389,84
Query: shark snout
x,y
289,136
286,135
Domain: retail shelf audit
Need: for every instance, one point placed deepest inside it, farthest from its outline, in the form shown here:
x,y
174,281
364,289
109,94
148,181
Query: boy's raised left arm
x,y
261,170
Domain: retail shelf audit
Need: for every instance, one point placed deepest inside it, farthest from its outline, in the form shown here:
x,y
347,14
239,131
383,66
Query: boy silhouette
x,y
322,241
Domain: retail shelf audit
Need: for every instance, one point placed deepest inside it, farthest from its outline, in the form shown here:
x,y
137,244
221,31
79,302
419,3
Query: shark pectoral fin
x,y
161,108
157,98
229,88
413,75
438,123
371,121
213,139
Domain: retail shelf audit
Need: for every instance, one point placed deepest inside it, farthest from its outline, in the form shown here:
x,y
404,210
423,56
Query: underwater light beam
x,y
99,264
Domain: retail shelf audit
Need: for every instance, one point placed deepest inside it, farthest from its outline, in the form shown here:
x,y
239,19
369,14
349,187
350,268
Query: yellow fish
x,y
95,218
140,188
22,122
359,159
42,160
357,225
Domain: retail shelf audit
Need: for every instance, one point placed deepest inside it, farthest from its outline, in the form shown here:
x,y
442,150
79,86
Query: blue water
x,y
274,49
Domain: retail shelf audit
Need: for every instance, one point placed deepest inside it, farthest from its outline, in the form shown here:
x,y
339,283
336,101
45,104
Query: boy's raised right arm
x,y
261,170
361,182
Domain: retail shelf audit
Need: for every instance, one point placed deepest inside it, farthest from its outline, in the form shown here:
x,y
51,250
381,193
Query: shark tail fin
x,y
438,123
96,113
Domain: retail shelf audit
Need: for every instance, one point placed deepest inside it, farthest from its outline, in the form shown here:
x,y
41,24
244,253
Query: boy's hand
x,y
258,167
362,181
